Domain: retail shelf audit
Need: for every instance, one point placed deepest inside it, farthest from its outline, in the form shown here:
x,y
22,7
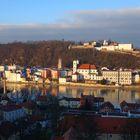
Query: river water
x,y
113,95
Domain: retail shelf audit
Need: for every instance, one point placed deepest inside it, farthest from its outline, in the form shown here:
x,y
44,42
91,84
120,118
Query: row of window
x,y
86,71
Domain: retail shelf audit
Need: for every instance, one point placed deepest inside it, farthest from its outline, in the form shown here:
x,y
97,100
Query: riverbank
x,y
89,85
132,87
75,84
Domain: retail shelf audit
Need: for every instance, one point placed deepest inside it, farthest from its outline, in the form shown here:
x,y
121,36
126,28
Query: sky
x,y
78,20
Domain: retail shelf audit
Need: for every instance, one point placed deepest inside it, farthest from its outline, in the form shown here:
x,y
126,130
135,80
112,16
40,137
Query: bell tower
x,y
75,63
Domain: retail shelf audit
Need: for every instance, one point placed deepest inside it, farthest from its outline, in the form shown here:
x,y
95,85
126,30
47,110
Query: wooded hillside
x,y
46,53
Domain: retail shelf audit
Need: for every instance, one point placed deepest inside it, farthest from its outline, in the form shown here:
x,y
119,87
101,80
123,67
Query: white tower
x,y
59,63
75,63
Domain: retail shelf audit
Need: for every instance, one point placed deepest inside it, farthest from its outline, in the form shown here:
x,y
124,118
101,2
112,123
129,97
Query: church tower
x,y
59,63
75,63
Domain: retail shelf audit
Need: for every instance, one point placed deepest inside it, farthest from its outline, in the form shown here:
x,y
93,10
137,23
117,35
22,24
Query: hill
x,y
46,54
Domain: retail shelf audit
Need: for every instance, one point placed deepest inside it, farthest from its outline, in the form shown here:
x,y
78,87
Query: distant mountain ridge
x,y
46,54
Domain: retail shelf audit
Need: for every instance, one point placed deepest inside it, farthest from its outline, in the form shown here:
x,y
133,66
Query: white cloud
x,y
120,25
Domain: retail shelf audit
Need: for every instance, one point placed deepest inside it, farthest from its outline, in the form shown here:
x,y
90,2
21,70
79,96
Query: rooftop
x,y
9,108
86,66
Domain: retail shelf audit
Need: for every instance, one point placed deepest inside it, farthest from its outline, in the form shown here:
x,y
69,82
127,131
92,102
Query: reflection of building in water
x,y
137,97
74,92
65,91
54,91
13,86
62,89
86,91
43,91
115,95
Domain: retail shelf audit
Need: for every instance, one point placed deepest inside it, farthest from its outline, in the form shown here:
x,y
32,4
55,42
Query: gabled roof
x,y
129,105
28,104
42,98
113,125
107,104
9,108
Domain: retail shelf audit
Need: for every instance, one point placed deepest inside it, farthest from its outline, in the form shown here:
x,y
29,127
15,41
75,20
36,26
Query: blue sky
x,y
44,11
24,20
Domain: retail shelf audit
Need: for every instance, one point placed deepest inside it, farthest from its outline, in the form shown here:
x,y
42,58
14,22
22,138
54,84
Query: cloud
x,y
119,25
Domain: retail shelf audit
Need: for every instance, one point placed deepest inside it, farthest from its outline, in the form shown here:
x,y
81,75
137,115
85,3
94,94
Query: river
x,y
114,95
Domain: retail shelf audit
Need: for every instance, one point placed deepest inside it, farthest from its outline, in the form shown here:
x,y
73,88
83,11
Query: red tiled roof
x,y
114,125
86,66
29,105
129,106
9,108
42,98
92,67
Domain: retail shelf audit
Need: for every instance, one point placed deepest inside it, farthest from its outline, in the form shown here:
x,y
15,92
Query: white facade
x,y
63,103
13,77
12,67
137,78
118,77
88,74
108,48
74,104
125,77
111,76
119,47
125,47
13,114
99,77
76,77
63,80
75,63
70,103
85,71
2,68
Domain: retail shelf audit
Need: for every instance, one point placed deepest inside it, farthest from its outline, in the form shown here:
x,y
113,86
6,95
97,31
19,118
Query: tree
x,y
104,82
131,131
38,133
86,128
53,109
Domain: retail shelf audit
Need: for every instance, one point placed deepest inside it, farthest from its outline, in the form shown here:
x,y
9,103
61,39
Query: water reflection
x,y
114,95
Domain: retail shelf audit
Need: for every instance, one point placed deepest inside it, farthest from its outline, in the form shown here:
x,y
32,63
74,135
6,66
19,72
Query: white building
x,y
136,78
76,77
70,102
111,76
2,68
75,65
116,47
86,71
12,67
64,80
118,77
125,77
12,112
13,76
125,47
